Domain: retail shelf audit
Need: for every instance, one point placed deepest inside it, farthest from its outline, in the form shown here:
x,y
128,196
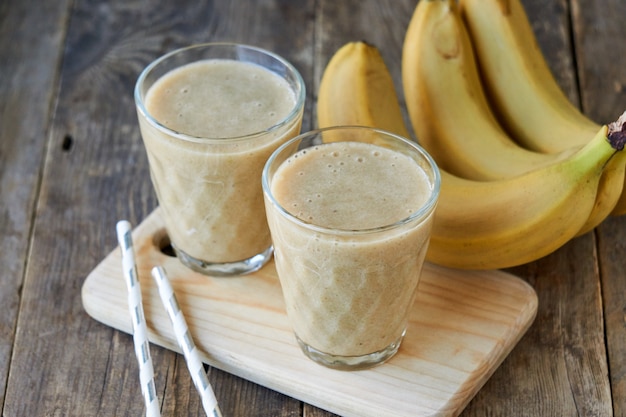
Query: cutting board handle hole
x,y
163,243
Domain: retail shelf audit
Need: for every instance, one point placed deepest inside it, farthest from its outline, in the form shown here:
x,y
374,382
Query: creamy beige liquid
x,y
210,191
348,294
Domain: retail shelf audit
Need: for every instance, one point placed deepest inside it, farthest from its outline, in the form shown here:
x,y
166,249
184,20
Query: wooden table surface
x,y
72,163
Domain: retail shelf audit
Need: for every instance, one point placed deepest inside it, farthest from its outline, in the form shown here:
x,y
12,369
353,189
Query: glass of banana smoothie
x,y
210,115
350,211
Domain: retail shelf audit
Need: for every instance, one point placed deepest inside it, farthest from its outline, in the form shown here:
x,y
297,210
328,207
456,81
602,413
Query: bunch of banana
x,y
447,106
478,224
502,223
527,98
453,119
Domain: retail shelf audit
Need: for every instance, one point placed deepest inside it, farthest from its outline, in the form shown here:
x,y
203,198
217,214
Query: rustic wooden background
x,y
72,163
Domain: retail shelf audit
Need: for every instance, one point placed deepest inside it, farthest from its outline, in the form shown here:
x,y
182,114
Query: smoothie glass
x,y
209,185
349,280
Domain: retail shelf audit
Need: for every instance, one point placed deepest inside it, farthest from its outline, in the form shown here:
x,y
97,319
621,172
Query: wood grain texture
x,y
612,247
462,326
600,63
95,173
72,164
28,82
599,37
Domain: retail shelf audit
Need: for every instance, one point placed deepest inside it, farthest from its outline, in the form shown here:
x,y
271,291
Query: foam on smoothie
x,y
350,185
220,98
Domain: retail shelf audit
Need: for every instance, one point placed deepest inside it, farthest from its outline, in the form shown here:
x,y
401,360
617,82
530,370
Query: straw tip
x,y
158,272
122,226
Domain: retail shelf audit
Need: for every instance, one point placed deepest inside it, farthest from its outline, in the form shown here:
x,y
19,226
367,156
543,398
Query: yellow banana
x,y
527,98
447,106
529,101
610,196
452,117
479,224
510,222
357,75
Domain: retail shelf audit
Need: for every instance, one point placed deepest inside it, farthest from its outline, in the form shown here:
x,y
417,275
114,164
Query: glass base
x,y
351,363
228,269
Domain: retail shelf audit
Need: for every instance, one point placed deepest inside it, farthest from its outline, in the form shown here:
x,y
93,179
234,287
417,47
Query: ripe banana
x,y
610,196
356,77
480,224
528,100
451,115
447,106
525,93
497,224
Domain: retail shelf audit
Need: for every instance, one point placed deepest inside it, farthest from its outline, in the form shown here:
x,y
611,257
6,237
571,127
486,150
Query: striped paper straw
x,y
140,330
186,343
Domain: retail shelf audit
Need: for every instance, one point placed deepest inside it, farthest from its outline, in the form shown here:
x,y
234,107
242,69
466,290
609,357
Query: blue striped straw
x,y
140,329
186,343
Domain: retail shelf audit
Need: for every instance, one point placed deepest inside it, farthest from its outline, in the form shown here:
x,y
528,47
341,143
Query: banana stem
x,y
617,133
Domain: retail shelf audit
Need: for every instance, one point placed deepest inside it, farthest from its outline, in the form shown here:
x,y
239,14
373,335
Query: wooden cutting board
x,y
463,325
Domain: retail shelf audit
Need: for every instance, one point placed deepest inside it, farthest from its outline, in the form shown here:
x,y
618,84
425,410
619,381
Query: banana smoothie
x,y
351,223
208,127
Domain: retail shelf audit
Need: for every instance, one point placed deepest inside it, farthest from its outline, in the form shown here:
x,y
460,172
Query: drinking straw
x,y
140,329
186,343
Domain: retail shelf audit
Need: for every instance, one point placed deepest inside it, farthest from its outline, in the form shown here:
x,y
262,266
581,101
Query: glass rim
x,y
293,114
420,213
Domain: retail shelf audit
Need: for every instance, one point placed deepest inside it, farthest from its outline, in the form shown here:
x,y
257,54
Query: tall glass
x,y
210,115
350,210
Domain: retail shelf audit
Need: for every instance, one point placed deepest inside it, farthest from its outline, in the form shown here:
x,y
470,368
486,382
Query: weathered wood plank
x,y
599,34
562,357
29,63
612,247
96,173
600,37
